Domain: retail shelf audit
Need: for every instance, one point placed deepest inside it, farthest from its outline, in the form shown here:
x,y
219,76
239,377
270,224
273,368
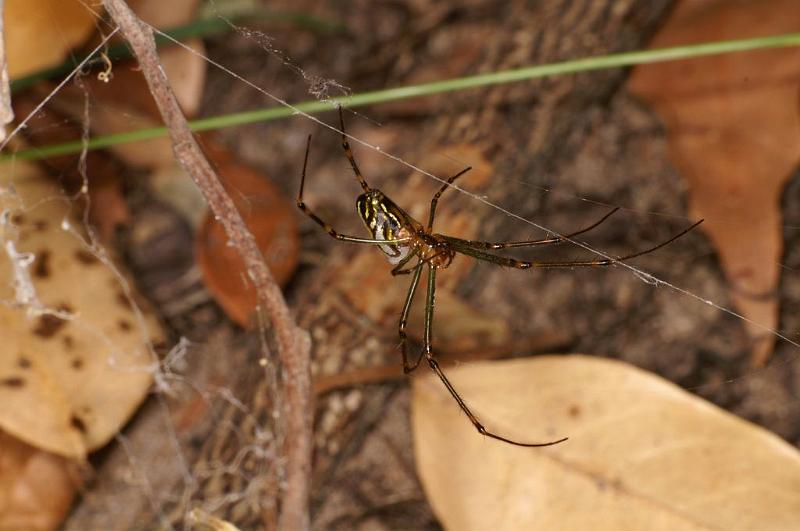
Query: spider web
x,y
254,458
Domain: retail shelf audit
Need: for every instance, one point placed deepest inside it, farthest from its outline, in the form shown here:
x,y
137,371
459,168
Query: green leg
x,y
407,368
434,365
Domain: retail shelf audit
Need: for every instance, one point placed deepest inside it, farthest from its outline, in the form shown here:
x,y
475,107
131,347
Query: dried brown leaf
x,y
642,454
68,380
117,111
36,487
202,521
31,43
185,70
272,220
108,207
123,102
734,133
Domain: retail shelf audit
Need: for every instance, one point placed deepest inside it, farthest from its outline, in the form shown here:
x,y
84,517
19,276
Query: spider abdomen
x,y
385,221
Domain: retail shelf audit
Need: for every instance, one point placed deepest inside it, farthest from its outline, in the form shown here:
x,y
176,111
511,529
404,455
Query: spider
x,y
403,239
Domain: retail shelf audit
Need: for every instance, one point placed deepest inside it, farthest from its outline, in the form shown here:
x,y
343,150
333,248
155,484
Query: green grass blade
x,y
427,89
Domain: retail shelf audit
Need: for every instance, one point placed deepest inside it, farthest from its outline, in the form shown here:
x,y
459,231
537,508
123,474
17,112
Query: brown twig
x,y
293,343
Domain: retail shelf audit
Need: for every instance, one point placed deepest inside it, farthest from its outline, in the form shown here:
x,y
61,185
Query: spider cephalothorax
x,y
404,239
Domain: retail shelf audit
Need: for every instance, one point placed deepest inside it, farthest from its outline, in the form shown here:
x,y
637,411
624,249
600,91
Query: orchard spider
x,y
403,238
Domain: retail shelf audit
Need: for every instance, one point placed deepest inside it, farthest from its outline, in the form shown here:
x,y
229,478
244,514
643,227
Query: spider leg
x,y
349,154
330,230
438,194
417,270
407,368
545,241
434,365
464,247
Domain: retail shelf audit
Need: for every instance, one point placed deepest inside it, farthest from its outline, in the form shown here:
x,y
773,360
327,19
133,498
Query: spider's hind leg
x,y
434,365
409,367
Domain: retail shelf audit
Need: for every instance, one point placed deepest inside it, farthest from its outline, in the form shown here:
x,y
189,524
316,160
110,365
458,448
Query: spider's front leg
x,y
324,224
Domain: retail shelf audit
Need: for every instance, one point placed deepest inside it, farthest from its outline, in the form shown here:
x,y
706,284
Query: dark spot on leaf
x,y
574,411
77,364
23,363
77,423
13,381
48,325
68,342
85,257
41,266
122,299
124,325
40,225
17,219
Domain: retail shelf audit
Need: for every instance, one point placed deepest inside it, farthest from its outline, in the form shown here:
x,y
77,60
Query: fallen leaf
x,y
108,208
642,454
174,187
734,134
272,220
116,111
36,487
75,363
185,69
202,521
113,110
31,42
114,118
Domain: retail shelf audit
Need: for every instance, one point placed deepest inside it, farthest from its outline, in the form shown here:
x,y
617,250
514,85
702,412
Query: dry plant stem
x,y
293,343
6,112
549,342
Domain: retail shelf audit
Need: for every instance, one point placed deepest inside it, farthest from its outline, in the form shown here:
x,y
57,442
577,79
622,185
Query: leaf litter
x,y
456,416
